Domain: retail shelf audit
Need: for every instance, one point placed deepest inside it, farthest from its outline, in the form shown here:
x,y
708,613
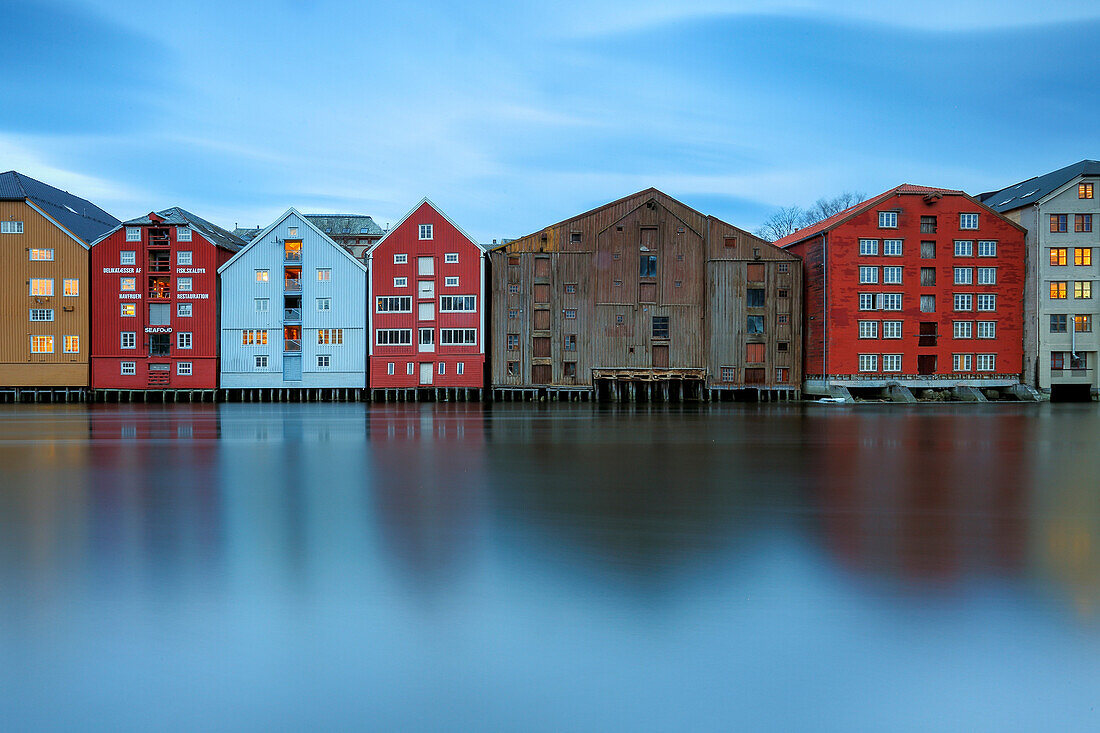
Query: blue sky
x,y
511,116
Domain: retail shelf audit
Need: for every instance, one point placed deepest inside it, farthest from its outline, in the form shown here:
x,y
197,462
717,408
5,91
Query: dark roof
x,y
177,216
826,224
350,225
1033,189
247,234
81,217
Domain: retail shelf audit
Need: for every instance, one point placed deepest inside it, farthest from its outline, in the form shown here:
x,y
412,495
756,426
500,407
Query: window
x,y
891,247
513,288
964,248
393,337
425,231
754,353
426,337
260,361
128,368
323,361
128,310
928,250
968,221
1084,190
11,227
987,275
127,284
1058,322
324,274
570,313
960,362
401,282
868,247
754,297
1082,289
618,320
1082,256
569,342
451,258
891,275
183,340
928,224
457,303
393,304
253,337
127,340
782,268
183,368
964,302
1057,360
755,324
324,304
782,374
964,276
1058,222
868,362
262,305
389,368
401,259
513,342
1057,290
183,234
183,284
262,276
70,287
887,220
41,255
1082,324
987,248
43,286
728,374
963,329
442,367
410,368
458,336
927,276
513,312
868,329
928,304
570,288
987,362
1057,256
868,275
782,293
660,327
450,282
183,256
866,301
133,234
891,329
891,301
1082,222
647,266
45,314
782,318
513,369
330,336
891,362
127,257
293,231
782,346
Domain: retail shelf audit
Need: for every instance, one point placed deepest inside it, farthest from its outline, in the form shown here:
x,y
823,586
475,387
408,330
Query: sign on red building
x,y
427,310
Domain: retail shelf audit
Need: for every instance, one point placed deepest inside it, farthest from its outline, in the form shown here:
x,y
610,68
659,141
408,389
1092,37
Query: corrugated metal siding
x,y
18,367
346,289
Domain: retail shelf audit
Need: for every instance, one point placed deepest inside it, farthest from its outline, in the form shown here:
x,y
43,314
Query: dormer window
x,y
425,231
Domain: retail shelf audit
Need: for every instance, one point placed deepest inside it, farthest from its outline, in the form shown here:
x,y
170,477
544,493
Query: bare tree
x,y
790,219
824,208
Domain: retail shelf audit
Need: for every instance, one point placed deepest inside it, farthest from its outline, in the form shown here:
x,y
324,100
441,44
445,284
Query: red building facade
x,y
427,312
919,286
155,302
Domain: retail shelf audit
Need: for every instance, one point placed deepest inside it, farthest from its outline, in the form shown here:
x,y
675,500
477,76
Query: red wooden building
x,y
155,302
917,286
427,312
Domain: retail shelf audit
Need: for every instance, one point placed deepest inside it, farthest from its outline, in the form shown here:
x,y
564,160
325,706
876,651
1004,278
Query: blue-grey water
x,y
534,568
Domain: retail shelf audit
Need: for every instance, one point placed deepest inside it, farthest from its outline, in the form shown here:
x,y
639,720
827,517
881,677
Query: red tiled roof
x,y
827,224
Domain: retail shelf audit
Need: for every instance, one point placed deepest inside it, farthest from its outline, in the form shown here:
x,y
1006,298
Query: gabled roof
x,y
352,225
839,218
80,217
260,237
1034,189
412,211
247,234
176,216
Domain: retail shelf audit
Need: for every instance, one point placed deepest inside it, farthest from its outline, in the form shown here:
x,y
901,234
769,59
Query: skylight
x,y
1029,193
1006,201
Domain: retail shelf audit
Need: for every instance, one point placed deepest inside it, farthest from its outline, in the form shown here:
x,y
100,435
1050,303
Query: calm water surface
x,y
316,567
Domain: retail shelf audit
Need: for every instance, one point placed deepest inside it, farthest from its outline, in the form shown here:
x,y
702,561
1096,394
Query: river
x,y
550,568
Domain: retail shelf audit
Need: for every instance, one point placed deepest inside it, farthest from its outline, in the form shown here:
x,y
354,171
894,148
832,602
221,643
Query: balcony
x,y
160,266
292,285
292,255
292,346
159,238
160,288
292,314
927,340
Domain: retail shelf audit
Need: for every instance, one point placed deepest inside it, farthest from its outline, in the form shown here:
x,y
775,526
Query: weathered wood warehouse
x,y
645,298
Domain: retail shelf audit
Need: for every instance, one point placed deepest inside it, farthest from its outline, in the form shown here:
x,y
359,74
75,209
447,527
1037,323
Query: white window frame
x,y
324,304
987,247
442,367
127,257
452,332
124,281
460,368
410,368
964,247
183,339
868,247
184,369
400,333
888,300
965,298
425,231
962,329
48,288
324,274
891,329
259,361
868,329
123,307
450,282
75,292
987,329
868,275
389,368
401,282
46,313
868,362
450,258
11,227
891,275
892,247
263,276
133,234
262,305
985,362
401,259
184,256
184,310
889,359
127,368
867,301
46,339
962,363
47,254
183,234
403,304
987,275
969,221
184,284
453,299
324,361
127,336
887,220
986,302
964,275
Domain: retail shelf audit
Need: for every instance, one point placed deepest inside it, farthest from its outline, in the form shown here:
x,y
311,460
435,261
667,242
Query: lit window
x,y
41,286
868,362
964,302
262,276
128,310
1082,289
963,329
1084,190
183,256
868,246
450,282
253,337
964,248
324,274
968,221
127,340
183,310
183,369
323,361
133,234
888,220
1057,256
401,282
260,361
324,304
183,234
1082,256
868,329
1059,222
891,247
987,248
183,284
1057,290
183,340
332,336
986,362
987,329
402,259
11,227
891,329
1082,323
891,362
425,231
41,255
128,368
451,258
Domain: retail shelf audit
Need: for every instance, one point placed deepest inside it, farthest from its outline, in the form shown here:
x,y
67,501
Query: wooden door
x,y
541,346
542,320
926,364
660,355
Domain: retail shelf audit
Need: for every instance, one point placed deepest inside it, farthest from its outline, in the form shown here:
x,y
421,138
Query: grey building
x,y
1061,212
